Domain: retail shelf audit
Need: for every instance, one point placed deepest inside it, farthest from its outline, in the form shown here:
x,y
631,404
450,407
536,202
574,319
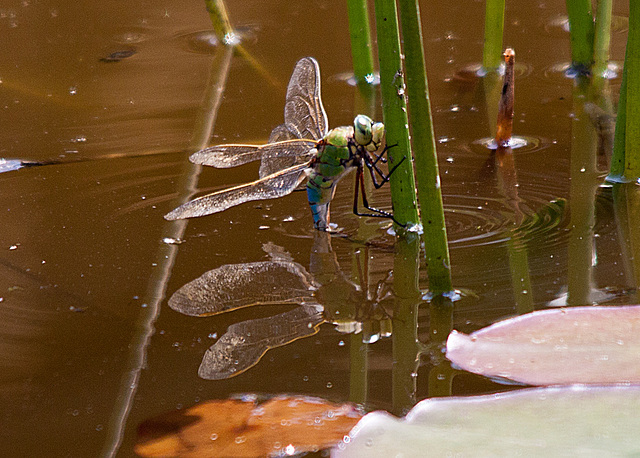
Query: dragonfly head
x,y
367,133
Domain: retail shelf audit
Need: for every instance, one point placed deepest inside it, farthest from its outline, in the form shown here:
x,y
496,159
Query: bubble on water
x,y
290,450
329,385
73,90
213,436
240,439
172,241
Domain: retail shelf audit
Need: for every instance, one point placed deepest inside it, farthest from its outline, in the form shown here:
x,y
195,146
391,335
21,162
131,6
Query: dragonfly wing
x,y
225,156
303,108
271,163
271,187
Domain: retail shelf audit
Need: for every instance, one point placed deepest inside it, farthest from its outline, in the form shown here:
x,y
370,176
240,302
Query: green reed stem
x,y
406,347
625,162
360,33
394,108
424,151
616,174
632,68
493,30
602,38
581,34
219,19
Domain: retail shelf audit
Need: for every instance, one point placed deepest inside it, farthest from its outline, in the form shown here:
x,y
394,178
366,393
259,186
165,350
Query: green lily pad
x,y
585,421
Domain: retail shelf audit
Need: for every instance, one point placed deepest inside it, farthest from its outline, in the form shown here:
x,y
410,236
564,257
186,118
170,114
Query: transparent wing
x,y
270,187
303,111
233,286
304,115
244,343
270,164
225,156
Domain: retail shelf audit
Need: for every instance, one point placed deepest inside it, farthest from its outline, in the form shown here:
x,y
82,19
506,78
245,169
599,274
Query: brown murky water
x,y
88,344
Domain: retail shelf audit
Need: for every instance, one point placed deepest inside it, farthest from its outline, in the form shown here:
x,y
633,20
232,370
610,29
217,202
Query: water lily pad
x,y
284,425
595,345
559,421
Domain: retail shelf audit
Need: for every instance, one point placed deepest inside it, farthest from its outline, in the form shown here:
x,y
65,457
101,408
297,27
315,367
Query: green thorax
x,y
333,149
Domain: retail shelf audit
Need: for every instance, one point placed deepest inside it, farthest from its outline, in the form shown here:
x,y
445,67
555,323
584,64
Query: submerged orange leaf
x,y
243,428
595,345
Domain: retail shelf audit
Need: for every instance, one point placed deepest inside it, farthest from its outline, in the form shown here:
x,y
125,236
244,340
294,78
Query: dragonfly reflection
x,y
324,296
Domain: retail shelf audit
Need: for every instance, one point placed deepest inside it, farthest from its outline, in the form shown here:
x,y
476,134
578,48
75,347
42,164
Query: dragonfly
x,y
301,148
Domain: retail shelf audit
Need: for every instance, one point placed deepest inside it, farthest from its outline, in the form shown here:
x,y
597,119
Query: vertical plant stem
x,y
632,68
424,148
403,194
581,34
584,184
504,125
616,174
406,349
493,30
602,39
627,233
361,49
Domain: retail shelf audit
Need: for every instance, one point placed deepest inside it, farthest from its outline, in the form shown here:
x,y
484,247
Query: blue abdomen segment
x,y
319,199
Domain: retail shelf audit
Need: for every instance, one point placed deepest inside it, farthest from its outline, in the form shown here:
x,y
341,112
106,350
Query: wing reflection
x,y
242,346
327,295
234,286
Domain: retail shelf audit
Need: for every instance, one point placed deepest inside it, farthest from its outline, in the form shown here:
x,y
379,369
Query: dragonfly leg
x,y
373,169
380,157
377,213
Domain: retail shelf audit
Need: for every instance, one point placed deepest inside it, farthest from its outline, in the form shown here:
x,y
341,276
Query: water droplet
x,y
290,450
213,437
341,343
73,90
240,439
454,108
172,241
329,385
450,160
99,427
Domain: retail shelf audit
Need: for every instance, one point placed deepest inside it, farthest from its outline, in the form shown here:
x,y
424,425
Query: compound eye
x,y
362,129
377,132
